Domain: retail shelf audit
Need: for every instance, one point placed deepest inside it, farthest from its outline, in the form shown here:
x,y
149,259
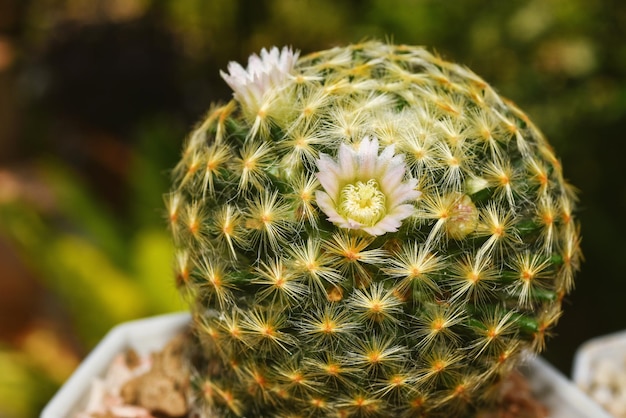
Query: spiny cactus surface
x,y
367,231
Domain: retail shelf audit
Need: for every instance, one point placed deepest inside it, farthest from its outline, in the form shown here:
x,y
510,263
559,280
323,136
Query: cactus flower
x,y
266,73
364,190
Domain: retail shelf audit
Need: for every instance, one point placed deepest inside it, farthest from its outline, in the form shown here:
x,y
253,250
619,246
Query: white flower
x,y
269,71
364,190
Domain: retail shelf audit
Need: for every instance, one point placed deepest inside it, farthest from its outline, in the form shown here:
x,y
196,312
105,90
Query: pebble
x,y
608,385
142,386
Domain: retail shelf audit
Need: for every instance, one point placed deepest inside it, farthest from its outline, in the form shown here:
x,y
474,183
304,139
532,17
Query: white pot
x,y
600,369
560,395
562,398
143,335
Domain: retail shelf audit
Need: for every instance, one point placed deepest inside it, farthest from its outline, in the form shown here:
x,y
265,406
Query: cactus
x,y
366,231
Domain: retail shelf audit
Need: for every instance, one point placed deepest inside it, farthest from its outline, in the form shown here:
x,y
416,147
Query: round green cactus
x,y
367,231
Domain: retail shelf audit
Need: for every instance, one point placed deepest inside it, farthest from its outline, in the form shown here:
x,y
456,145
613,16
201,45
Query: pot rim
x,y
560,395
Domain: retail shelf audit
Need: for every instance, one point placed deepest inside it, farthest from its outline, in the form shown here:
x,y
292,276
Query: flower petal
x,y
326,204
387,224
402,212
404,192
325,163
385,159
392,221
327,176
351,224
392,179
346,160
367,157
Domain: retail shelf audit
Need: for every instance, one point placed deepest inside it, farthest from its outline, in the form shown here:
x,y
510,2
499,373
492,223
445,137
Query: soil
x,y
517,400
156,387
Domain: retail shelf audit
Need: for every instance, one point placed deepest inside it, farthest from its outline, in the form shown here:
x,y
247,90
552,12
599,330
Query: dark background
x,y
96,97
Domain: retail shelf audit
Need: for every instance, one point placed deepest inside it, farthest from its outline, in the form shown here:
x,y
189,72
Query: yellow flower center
x,y
363,202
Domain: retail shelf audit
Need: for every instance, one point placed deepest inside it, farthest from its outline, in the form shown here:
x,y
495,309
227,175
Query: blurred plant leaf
x,y
153,254
22,388
85,215
96,293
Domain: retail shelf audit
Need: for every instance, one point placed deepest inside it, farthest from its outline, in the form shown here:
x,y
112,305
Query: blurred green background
x,y
96,97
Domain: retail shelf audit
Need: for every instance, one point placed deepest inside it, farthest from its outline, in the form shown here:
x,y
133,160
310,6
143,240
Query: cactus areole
x,y
366,231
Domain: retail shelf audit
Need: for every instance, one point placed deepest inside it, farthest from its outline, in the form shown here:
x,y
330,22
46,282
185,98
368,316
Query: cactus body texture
x,y
367,231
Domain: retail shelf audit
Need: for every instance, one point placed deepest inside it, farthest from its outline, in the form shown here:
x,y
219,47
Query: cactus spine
x,y
367,231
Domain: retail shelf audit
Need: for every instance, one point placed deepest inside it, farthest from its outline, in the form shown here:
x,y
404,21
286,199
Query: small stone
x,y
132,359
130,411
620,381
602,394
618,405
171,360
620,394
130,391
617,409
605,372
107,414
160,394
138,386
